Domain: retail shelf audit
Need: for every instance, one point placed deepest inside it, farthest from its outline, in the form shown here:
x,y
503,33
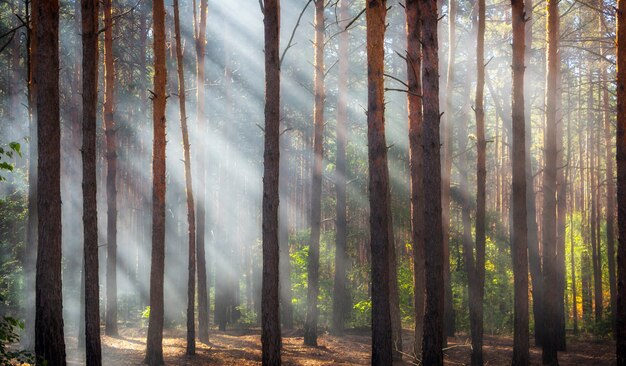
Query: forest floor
x,y
243,347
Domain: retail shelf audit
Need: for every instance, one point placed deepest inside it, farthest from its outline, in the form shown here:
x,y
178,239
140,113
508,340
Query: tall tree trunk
x,y
313,263
573,270
340,288
154,352
534,257
447,169
593,218
432,353
549,234
270,315
49,340
28,339
111,159
376,11
203,293
519,229
414,105
89,15
620,335
476,288
191,214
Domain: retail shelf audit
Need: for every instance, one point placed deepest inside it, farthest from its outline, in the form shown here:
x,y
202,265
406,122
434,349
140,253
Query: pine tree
x,y
154,352
89,15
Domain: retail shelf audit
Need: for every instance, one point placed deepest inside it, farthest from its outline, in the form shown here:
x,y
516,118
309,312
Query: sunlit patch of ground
x,y
243,347
498,350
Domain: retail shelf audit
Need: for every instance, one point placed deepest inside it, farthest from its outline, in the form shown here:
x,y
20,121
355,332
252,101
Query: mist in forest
x,y
325,91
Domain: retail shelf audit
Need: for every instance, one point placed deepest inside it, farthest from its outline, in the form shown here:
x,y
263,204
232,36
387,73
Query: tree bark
x,y
191,214
376,11
49,339
203,293
519,229
89,15
28,339
414,105
432,353
313,263
476,288
534,257
341,298
270,315
549,230
593,218
111,159
154,352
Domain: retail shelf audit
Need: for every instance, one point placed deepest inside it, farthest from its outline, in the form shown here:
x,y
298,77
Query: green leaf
x,y
15,146
6,166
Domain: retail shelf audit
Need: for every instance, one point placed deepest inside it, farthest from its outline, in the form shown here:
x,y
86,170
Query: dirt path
x,y
243,347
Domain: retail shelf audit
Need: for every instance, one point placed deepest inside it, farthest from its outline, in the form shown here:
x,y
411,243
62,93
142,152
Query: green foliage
x,y
13,212
8,337
145,315
248,317
8,153
498,301
405,287
362,314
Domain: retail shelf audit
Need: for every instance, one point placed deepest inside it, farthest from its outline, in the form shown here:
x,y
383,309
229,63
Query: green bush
x,y
8,336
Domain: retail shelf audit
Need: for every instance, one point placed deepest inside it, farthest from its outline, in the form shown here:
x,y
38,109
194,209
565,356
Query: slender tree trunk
x,y
519,229
620,335
569,177
414,78
191,214
573,270
201,120
549,230
340,290
432,353
476,287
593,220
534,257
376,11
111,159
313,263
89,15
447,169
28,339
270,315
49,340
154,352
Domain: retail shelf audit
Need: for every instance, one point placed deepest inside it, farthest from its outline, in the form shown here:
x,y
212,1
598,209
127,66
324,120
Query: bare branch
x,y
293,33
